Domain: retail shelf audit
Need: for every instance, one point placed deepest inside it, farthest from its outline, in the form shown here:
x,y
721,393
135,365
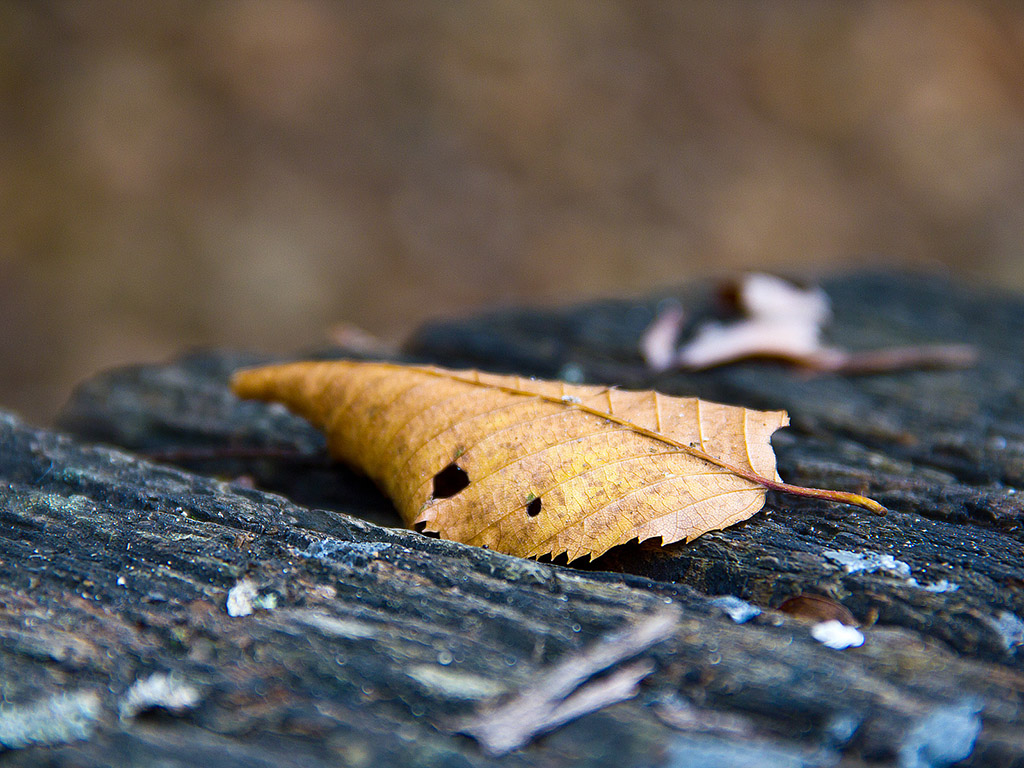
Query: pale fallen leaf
x,y
355,339
534,468
159,691
766,296
782,321
719,343
658,344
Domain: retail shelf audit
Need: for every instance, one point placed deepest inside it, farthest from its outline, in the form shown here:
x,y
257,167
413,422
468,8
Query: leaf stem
x,y
831,360
842,497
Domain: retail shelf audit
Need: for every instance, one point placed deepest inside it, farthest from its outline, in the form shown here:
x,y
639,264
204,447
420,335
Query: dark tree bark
x,y
370,645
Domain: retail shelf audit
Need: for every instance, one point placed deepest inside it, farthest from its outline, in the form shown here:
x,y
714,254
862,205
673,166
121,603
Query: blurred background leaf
x,y
251,173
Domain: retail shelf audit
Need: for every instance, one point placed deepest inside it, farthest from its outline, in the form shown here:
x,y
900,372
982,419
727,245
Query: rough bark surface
x,y
368,645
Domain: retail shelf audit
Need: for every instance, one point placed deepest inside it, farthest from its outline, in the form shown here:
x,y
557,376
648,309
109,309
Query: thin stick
x,y
891,359
561,695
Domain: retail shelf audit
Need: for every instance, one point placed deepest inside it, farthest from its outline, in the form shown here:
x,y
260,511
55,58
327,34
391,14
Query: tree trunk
x,y
150,614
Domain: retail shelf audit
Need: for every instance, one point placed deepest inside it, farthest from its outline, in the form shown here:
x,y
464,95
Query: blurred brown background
x,y
251,173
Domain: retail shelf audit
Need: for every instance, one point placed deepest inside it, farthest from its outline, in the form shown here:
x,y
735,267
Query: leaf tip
x,y
247,383
859,501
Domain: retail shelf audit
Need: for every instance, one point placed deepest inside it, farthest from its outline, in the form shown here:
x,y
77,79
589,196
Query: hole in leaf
x,y
450,481
533,508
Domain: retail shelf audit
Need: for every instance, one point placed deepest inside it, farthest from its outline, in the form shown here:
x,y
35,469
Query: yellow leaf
x,y
530,467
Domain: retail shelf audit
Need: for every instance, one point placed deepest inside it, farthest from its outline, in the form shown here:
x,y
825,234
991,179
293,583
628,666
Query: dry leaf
x,y
531,467
658,344
781,321
818,608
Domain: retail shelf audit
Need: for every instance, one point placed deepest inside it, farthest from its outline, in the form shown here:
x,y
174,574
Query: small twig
x,y
836,360
831,360
563,693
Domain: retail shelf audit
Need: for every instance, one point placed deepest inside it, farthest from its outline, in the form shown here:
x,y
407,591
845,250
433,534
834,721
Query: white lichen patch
x,y
346,553
56,719
241,598
1010,628
836,635
867,562
266,602
944,736
939,586
872,562
159,691
736,609
453,684
332,626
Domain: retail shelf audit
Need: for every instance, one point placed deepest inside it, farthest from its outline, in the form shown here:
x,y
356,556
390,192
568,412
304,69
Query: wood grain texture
x,y
937,586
